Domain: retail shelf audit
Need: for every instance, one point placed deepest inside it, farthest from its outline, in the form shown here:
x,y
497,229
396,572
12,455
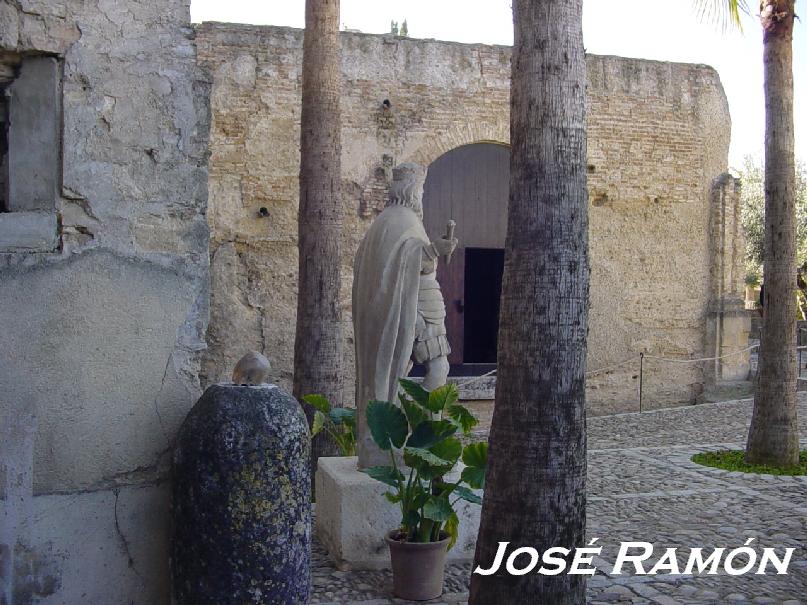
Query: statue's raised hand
x,y
444,246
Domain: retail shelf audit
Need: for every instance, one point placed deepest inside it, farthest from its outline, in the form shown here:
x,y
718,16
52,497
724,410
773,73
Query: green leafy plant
x,y
423,433
339,423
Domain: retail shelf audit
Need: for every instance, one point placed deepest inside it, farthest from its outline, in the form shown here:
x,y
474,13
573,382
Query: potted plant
x,y
421,438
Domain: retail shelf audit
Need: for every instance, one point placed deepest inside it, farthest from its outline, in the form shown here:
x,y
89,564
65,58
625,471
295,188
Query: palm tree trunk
x,y
773,437
318,339
535,488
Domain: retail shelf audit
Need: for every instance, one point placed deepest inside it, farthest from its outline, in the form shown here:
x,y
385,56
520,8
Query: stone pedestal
x,y
353,516
242,500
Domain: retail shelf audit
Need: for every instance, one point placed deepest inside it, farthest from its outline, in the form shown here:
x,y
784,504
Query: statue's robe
x,y
385,305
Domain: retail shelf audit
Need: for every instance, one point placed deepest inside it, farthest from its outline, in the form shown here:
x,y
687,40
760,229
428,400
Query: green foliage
x,y
318,402
734,460
388,424
399,30
339,423
418,458
442,398
437,508
414,413
753,278
415,392
467,494
423,432
752,215
385,474
475,457
452,528
462,417
723,13
429,432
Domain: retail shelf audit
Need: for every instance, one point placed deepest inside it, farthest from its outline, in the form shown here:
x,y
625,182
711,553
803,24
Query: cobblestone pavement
x,y
643,486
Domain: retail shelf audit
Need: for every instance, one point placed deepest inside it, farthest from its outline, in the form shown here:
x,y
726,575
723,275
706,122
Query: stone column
x,y
242,500
727,322
17,431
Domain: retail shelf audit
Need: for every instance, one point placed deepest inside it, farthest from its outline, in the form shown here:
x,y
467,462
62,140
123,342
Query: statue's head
x,y
407,187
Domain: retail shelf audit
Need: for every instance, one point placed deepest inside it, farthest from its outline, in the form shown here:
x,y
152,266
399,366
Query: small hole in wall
x,y
590,168
386,104
264,212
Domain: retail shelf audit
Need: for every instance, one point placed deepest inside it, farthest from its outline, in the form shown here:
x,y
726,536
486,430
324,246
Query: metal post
x,y
641,378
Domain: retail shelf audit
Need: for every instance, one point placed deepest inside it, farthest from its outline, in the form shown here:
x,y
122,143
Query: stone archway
x,y
459,134
469,184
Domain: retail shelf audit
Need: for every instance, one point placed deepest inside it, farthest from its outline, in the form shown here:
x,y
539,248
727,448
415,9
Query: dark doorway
x,y
483,288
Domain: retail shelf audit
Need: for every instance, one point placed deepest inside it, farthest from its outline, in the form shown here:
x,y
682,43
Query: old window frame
x,y
33,133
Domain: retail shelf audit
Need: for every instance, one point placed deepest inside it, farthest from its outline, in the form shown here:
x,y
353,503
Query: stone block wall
x,y
103,294
658,136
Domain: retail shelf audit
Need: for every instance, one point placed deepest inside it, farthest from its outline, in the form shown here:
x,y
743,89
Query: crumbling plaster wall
x,y
658,134
102,336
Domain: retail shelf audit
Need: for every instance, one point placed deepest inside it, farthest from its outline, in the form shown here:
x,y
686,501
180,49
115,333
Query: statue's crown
x,y
408,172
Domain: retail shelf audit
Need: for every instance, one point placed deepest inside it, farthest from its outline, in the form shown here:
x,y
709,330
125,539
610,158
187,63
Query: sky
x,y
665,31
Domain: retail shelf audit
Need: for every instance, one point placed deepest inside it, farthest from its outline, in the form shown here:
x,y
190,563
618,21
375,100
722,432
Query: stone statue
x,y
398,309
252,369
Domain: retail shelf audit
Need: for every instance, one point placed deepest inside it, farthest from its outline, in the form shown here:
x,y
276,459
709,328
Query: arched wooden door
x,y
470,184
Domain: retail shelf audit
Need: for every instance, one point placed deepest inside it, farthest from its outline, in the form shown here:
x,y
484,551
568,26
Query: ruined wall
x,y
658,135
103,320
728,323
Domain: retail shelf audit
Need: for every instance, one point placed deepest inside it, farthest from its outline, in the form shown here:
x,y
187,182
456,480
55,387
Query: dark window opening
x,y
30,132
3,151
7,75
483,289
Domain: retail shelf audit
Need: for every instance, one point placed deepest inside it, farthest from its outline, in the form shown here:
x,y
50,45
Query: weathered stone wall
x,y
658,136
104,293
102,332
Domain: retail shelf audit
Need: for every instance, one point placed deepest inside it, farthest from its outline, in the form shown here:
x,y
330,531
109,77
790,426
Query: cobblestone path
x,y
642,486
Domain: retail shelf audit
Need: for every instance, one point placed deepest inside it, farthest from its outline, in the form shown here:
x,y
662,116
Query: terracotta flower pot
x,y
417,567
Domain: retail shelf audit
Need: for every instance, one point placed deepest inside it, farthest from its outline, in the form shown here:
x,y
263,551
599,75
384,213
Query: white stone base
x,y
353,517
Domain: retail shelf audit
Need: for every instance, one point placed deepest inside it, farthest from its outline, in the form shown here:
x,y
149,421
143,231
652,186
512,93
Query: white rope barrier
x,y
469,381
641,357
613,367
672,360
465,383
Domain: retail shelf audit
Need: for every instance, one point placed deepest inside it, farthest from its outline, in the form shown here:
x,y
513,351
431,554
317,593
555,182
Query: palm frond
x,y
725,14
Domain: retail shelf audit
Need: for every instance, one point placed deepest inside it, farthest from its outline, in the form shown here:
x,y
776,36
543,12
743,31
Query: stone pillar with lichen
x,y
241,505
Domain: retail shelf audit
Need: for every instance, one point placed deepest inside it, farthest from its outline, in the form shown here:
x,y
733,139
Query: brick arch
x,y
373,191
458,135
